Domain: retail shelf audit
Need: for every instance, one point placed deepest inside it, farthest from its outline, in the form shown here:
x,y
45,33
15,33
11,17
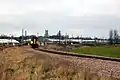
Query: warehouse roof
x,y
8,41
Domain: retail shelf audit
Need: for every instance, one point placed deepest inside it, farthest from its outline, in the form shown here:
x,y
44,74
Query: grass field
x,y
108,51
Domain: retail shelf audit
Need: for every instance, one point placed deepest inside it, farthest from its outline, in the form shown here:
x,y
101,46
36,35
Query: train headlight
x,y
31,42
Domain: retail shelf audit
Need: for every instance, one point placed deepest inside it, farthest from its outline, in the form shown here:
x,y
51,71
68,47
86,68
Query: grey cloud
x,y
98,25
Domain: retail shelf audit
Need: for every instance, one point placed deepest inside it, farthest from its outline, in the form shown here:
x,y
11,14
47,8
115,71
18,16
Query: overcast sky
x,y
77,17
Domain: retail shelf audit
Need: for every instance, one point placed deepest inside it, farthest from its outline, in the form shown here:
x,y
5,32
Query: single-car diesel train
x,y
34,42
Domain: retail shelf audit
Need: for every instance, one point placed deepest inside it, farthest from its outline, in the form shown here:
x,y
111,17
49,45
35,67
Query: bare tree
x,y
116,36
111,37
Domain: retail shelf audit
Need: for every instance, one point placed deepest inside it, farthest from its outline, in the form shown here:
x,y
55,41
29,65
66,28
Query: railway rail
x,y
68,53
78,55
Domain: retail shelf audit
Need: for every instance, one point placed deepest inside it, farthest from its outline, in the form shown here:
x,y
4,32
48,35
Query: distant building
x,y
46,34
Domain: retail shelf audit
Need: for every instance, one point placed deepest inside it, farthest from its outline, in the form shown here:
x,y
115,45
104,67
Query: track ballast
x,y
78,55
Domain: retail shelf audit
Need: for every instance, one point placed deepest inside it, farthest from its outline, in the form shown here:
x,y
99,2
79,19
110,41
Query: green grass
x,y
108,51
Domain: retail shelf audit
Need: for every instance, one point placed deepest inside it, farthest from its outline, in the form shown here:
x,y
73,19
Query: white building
x,y
7,41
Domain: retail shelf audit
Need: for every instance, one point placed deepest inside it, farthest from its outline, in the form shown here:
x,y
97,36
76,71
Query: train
x,y
34,42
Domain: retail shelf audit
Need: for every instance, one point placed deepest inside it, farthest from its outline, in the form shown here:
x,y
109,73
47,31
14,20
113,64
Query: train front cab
x,y
34,42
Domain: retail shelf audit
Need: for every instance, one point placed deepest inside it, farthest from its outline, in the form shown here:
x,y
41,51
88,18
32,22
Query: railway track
x,y
70,54
78,55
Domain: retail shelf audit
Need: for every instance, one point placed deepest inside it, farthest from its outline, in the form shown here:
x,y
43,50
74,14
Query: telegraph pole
x,y
59,34
25,35
66,38
22,35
